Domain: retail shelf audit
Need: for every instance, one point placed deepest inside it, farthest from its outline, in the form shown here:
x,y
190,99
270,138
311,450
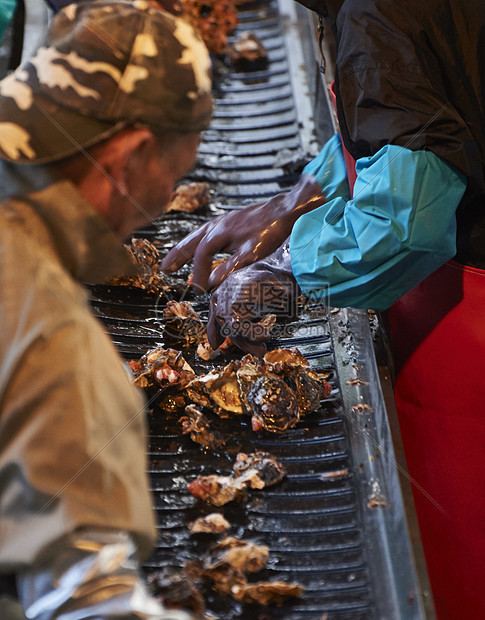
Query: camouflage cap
x,y
104,66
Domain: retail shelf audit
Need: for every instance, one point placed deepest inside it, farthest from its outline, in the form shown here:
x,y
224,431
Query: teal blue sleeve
x,y
397,229
328,169
7,9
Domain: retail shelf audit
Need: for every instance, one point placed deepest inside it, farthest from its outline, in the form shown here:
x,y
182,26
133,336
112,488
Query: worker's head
x,y
118,82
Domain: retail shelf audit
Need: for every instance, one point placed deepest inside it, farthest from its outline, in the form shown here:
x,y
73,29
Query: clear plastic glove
x,y
265,287
253,233
94,574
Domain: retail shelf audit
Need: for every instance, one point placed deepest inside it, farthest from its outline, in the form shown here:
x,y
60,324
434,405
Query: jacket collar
x,y
84,243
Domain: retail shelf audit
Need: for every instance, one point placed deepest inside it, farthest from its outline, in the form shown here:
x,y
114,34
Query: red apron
x,y
438,340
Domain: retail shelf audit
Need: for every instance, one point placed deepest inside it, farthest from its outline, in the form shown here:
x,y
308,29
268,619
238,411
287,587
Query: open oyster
x,y
217,390
161,368
276,390
284,361
217,490
182,324
224,568
226,564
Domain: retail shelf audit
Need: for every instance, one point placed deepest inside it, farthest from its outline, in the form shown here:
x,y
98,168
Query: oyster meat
x,y
218,390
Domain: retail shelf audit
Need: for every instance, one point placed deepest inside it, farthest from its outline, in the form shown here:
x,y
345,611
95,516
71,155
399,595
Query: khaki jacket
x,y
72,426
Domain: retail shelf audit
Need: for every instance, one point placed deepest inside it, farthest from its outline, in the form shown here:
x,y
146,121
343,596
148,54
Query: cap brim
x,y
46,132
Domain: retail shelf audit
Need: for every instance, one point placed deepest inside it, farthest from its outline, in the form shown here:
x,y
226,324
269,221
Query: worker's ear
x,y
127,149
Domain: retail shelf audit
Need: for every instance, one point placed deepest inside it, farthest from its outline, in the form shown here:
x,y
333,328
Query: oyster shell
x,y
217,490
217,390
310,388
274,406
213,523
198,425
176,590
149,277
161,368
182,324
189,196
248,53
255,471
144,252
242,555
266,592
258,470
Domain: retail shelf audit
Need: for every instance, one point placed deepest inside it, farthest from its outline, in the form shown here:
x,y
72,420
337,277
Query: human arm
x,y
365,252
72,432
256,231
94,574
76,510
398,228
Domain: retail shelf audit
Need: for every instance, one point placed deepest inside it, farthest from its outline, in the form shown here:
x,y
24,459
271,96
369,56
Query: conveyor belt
x,y
336,523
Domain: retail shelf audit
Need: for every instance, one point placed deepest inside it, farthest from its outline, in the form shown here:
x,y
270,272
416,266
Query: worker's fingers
x,y
240,259
184,251
214,242
213,334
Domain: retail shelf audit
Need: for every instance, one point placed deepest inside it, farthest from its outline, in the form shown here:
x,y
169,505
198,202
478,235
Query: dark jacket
x,y
412,73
